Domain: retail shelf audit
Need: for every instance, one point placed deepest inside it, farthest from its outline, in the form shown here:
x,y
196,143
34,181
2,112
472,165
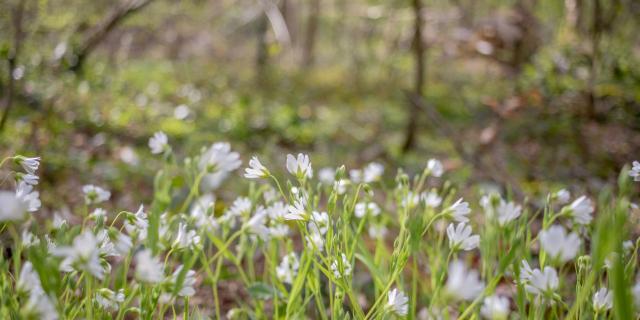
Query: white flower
x,y
277,211
58,221
257,223
297,212
411,200
158,143
29,280
463,284
200,212
435,167
218,160
148,268
397,302
563,196
543,282
341,185
372,172
377,231
525,272
29,239
355,175
106,247
341,268
186,239
239,207
12,208
459,211
82,254
189,280
99,213
315,241
602,300
319,222
28,178
288,268
507,212
30,165
50,244
256,169
278,230
270,195
300,166
362,208
581,209
327,175
635,171
40,306
495,307
219,157
431,199
123,244
460,237
94,194
558,244
30,198
137,223
110,300
39,303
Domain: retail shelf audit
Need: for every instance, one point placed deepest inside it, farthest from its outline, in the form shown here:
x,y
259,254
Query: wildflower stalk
x,y
193,191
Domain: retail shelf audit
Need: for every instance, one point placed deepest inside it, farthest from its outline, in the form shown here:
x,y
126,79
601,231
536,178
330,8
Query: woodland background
x,y
526,95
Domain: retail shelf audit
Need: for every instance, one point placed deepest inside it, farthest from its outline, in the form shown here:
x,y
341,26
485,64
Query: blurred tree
x,y
419,70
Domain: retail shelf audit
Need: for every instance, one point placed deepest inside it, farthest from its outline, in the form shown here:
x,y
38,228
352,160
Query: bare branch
x,y
99,32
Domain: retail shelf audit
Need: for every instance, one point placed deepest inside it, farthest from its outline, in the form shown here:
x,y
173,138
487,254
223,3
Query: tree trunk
x,y
310,36
12,61
418,51
262,48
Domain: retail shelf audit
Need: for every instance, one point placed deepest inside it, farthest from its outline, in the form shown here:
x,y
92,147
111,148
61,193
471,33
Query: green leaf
x,y
261,291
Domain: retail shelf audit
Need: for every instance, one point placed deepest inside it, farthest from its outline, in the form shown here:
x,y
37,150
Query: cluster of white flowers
x,y
288,268
16,204
266,215
341,267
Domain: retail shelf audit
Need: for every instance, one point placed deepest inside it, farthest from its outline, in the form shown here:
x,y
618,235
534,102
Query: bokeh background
x,y
525,95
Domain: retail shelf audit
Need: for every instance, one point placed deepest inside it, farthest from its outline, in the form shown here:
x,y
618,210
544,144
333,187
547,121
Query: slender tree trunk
x,y
262,47
310,36
12,61
418,52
